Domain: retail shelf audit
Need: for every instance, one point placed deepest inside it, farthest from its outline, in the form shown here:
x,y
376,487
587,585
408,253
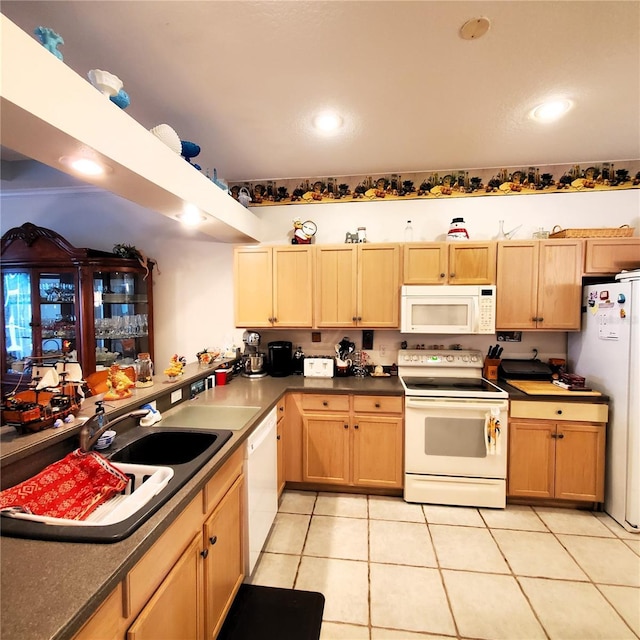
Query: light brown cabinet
x,y
358,286
184,585
273,286
280,431
604,256
449,263
539,285
557,450
352,440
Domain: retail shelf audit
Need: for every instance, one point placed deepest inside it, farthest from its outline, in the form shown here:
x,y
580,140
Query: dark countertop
x,y
50,589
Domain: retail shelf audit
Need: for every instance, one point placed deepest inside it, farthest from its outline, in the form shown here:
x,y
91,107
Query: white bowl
x,y
165,133
105,82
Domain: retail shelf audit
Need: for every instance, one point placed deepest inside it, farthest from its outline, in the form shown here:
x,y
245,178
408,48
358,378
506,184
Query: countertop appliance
x,y
253,361
455,429
318,367
280,358
451,309
261,487
607,353
524,370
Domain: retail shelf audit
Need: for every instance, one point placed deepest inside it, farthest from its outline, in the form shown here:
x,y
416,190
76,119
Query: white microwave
x,y
448,309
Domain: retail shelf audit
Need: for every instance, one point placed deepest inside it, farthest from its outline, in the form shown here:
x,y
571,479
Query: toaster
x,y
318,367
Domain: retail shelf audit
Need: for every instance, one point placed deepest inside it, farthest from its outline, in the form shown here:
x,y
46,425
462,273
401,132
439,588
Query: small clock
x,y
309,227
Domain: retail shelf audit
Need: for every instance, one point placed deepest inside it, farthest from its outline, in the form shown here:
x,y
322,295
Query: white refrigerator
x,y
607,353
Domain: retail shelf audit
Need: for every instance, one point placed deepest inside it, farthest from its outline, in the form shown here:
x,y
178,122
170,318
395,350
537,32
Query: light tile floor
x,y
390,570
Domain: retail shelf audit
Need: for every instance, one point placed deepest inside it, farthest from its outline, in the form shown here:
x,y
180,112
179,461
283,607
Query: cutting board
x,y
545,388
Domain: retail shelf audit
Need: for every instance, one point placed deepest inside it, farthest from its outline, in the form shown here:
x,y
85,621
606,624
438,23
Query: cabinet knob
x,y
377,405
346,426
359,318
355,319
356,426
277,437
325,403
559,412
280,408
452,275
213,539
275,320
204,553
442,275
560,436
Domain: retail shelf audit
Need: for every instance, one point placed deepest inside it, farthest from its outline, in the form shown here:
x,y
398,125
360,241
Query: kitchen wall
x,y
193,287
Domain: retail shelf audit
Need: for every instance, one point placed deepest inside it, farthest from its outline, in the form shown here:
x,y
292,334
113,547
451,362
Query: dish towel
x,y
492,432
71,488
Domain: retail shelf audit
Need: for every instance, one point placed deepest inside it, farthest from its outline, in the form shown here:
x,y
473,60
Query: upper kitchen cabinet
x,y
48,111
358,285
449,263
273,286
58,299
604,256
539,285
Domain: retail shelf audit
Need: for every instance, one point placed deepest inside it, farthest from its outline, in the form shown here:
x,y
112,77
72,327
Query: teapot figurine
x,y
457,230
244,197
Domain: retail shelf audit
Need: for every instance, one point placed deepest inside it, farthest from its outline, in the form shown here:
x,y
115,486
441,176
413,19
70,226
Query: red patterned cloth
x,y
71,488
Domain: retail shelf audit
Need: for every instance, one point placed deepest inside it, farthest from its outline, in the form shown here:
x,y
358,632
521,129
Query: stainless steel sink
x,y
203,416
158,460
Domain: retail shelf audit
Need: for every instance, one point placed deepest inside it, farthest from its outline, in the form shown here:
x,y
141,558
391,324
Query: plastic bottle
x,y
408,232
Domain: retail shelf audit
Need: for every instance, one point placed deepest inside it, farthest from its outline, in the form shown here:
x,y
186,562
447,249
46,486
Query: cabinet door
x,y
224,565
281,460
379,286
531,458
472,262
425,263
580,458
377,451
121,317
325,449
292,286
253,285
336,282
517,285
611,255
560,285
175,610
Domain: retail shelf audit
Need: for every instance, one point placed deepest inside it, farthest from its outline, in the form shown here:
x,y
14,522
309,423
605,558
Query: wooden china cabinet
x,y
59,299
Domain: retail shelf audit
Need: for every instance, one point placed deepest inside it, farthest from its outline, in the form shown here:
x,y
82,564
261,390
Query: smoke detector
x,y
474,28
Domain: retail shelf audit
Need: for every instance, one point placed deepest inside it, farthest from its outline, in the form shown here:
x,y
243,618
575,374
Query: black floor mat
x,y
269,613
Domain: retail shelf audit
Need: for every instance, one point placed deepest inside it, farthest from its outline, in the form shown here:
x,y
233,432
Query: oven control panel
x,y
439,358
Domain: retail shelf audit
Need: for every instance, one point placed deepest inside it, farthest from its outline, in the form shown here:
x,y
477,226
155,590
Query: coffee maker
x,y
252,360
279,358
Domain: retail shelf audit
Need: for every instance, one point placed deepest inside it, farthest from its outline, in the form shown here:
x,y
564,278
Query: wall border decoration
x,y
442,184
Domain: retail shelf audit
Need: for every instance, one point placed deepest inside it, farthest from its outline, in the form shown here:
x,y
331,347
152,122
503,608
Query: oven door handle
x,y
458,403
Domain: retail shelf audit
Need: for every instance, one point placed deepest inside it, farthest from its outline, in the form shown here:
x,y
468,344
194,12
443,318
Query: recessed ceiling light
x,y
191,216
327,122
85,165
475,28
552,110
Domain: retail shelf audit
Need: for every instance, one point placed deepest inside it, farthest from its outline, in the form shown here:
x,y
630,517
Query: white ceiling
x,y
244,79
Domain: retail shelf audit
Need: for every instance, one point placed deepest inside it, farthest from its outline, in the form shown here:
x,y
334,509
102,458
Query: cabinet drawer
x,y
377,404
575,412
222,480
311,402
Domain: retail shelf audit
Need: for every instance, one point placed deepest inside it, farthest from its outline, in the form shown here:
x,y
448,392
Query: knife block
x,y
490,370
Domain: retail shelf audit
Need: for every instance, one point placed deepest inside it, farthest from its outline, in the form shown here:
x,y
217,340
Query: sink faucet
x,y
95,426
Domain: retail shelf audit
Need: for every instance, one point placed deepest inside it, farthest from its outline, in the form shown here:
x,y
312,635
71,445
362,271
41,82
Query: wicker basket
x,y
625,231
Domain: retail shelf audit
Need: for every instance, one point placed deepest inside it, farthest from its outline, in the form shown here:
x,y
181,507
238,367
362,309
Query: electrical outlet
x,y
176,396
383,350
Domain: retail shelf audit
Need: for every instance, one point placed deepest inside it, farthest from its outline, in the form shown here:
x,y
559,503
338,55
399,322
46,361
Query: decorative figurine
x,y
244,198
121,99
303,231
50,40
190,150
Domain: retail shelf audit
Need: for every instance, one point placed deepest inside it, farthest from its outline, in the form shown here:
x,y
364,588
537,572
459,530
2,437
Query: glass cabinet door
x,y
40,320
121,319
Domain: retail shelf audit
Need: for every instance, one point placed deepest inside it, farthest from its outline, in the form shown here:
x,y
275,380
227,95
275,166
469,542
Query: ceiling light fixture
x,y
85,165
327,122
475,28
551,110
191,216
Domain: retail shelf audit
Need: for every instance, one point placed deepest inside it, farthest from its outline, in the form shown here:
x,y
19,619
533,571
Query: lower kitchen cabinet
x,y
557,450
352,440
184,585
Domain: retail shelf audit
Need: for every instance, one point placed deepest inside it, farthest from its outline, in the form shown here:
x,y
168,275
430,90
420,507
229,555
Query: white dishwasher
x,y
261,486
